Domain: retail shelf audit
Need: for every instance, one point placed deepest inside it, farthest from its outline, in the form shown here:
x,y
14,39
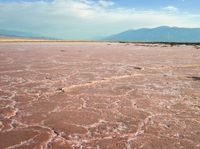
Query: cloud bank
x,y
86,19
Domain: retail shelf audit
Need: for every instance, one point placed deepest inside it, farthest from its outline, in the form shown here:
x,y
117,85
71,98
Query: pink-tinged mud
x,y
99,96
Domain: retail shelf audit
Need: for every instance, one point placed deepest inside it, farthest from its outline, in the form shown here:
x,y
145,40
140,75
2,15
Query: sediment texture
x,y
99,96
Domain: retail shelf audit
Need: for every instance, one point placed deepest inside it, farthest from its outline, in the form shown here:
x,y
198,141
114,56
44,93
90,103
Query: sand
x,y
99,96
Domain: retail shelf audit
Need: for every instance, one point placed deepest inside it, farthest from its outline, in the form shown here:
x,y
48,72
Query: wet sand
x,y
99,96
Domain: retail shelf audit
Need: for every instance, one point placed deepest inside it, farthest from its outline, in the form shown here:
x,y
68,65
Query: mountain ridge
x,y
158,34
21,34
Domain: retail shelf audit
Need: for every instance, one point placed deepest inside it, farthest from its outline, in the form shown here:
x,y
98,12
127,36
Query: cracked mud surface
x,y
99,96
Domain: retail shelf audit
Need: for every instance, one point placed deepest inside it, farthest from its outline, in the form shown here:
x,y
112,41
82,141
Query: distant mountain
x,y
20,34
159,34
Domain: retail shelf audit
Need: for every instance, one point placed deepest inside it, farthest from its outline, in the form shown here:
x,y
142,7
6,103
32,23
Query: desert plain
x,y
99,95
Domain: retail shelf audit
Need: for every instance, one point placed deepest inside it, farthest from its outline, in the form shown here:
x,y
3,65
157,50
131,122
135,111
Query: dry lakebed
x,y
99,95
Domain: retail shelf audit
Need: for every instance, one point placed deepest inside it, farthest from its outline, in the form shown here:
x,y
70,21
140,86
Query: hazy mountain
x,y
159,34
20,34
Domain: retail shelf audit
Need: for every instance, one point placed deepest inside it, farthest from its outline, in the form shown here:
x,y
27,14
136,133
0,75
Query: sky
x,y
90,19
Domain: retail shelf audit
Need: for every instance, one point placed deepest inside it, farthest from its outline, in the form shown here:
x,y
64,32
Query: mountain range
x,y
14,33
159,34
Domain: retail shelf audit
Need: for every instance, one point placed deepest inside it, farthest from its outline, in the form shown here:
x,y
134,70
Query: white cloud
x,y
171,9
84,19
106,3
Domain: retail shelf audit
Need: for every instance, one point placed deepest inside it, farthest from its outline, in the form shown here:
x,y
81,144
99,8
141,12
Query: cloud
x,y
171,9
105,3
85,19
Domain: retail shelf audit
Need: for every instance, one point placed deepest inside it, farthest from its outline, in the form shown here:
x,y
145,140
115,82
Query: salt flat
x,y
99,96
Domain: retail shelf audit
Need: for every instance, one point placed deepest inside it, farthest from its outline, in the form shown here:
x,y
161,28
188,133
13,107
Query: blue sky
x,y
86,19
186,5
